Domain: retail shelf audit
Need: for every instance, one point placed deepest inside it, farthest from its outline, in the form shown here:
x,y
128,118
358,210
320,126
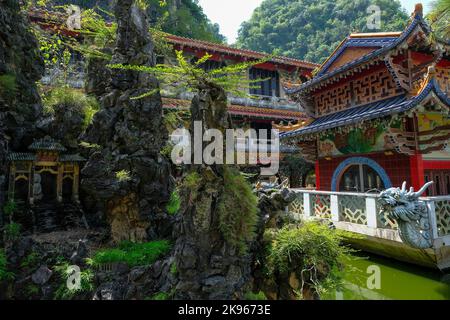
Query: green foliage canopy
x,y
183,18
311,29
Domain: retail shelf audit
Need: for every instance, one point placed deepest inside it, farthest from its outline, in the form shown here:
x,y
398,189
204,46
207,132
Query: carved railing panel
x,y
442,208
321,205
353,209
384,221
297,207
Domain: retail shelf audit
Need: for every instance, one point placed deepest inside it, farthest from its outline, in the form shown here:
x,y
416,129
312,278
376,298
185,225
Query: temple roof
x,y
360,40
47,144
386,42
20,156
260,112
224,49
371,111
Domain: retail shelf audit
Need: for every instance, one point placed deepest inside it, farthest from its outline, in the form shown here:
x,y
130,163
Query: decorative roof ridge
x,y
358,35
432,85
255,54
417,20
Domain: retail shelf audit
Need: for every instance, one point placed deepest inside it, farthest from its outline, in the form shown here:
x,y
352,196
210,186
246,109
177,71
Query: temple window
x,y
269,87
360,178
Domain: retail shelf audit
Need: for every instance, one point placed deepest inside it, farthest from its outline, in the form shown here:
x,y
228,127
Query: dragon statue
x,y
411,214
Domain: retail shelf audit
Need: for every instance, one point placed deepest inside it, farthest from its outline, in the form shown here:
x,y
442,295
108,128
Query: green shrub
x,y
311,246
133,254
10,207
192,180
123,175
174,203
160,296
4,273
237,210
64,272
12,231
173,269
30,261
8,85
75,100
255,296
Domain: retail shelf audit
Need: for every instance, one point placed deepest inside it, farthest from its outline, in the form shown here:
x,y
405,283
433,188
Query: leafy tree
x,y
180,17
311,29
440,19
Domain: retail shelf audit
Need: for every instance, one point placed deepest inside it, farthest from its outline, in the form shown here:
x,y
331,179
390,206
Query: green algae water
x,y
397,281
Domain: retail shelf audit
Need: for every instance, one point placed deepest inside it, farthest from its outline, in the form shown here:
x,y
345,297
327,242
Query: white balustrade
x,y
360,212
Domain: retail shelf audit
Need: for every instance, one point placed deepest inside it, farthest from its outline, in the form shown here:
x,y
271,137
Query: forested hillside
x,y
180,17
311,29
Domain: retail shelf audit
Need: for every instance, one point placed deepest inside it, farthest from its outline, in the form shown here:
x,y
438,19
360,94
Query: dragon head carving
x,y
410,213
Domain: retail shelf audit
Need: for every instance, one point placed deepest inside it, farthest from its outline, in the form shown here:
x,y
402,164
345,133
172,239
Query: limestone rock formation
x,y
209,267
128,176
20,67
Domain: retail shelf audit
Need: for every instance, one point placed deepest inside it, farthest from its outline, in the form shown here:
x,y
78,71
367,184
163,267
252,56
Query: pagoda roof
x,y
360,40
372,110
20,156
224,49
385,41
240,110
47,144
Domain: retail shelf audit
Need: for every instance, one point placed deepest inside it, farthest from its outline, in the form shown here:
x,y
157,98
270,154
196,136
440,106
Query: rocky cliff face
x,y
20,67
209,266
128,175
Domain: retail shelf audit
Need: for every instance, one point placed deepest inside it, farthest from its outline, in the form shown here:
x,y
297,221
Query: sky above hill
x,y
229,14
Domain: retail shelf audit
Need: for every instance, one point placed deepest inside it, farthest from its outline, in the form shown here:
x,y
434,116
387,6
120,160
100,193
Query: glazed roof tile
x,y
48,144
20,156
370,111
243,110
217,47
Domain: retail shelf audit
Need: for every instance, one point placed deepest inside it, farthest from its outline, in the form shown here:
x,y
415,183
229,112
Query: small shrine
x,y
46,173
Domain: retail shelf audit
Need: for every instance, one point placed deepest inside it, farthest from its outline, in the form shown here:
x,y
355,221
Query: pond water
x,y
370,277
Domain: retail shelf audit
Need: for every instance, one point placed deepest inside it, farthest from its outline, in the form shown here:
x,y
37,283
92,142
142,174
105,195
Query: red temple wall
x,y
396,166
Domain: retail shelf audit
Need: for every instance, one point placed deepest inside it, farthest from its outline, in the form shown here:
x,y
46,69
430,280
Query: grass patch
x,y
62,99
237,210
174,203
160,296
255,296
133,254
65,272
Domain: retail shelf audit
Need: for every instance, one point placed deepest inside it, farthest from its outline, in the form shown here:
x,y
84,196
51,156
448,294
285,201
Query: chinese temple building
x,y
44,174
380,105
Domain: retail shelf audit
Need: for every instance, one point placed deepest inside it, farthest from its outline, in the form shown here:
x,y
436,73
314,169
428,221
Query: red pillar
x,y
417,171
317,170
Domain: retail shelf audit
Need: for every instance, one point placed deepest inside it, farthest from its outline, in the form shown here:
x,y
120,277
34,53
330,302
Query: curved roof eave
x,y
398,106
418,21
